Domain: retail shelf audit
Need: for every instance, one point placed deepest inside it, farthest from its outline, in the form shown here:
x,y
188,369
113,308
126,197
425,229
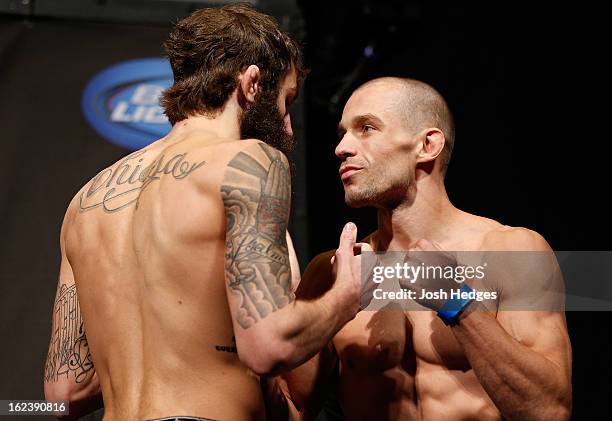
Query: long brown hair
x,y
211,47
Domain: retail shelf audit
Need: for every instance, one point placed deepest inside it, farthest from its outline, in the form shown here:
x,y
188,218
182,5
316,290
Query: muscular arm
x,y
69,371
521,358
274,331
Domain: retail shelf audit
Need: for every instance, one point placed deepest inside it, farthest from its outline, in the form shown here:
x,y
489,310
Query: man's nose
x,y
346,147
288,128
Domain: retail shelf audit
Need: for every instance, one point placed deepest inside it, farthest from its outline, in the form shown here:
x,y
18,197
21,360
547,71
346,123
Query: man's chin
x,y
353,201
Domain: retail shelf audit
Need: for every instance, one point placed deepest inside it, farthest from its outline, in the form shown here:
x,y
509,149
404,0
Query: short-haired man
x,y
396,138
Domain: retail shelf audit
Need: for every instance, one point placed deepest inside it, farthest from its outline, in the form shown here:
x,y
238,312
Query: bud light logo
x,y
122,102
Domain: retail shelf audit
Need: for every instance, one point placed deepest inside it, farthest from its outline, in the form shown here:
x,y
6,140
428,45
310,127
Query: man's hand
x,y
426,254
347,270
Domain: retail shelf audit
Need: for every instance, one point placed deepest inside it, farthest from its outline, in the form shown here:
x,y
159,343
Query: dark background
x,y
527,84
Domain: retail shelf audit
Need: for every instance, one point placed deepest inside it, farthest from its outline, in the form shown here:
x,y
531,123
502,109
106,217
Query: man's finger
x,y
347,242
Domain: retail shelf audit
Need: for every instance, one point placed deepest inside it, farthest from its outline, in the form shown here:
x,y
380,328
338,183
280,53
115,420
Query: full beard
x,y
263,121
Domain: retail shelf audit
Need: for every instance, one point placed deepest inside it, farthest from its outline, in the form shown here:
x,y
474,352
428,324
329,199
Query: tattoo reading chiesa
x,y
68,355
130,172
257,201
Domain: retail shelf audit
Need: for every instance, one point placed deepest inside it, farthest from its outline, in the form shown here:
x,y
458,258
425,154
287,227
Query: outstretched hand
x,y
347,267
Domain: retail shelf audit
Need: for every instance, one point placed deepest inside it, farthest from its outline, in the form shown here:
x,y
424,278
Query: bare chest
x,y
381,340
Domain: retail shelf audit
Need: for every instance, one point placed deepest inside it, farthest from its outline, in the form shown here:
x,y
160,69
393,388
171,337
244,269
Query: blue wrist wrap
x,y
450,310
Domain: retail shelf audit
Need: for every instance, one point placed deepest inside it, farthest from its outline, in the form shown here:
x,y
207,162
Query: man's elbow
x,y
82,398
559,410
59,391
562,411
268,359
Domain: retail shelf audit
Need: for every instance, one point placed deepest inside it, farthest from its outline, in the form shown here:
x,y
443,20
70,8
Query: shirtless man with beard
x,y
396,137
175,286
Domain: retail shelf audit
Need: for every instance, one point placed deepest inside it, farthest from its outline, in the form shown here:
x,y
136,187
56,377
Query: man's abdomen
x,y
452,395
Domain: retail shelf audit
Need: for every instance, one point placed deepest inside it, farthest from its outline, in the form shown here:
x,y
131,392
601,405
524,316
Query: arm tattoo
x,y
257,201
68,355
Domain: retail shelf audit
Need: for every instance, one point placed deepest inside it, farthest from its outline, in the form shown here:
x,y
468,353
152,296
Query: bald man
x,y
396,138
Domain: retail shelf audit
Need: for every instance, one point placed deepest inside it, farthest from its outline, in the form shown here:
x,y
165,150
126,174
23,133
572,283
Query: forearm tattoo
x,y
256,196
68,356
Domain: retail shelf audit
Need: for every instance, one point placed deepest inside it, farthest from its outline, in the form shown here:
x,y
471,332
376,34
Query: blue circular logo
x,y
122,102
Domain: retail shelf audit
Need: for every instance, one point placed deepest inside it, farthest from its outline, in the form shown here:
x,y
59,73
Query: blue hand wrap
x,y
450,310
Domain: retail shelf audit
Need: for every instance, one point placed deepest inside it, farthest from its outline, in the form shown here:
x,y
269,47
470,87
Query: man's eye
x,y
366,128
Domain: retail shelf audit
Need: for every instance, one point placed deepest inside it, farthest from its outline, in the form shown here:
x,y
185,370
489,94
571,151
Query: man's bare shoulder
x,y
527,268
495,236
508,238
249,155
253,148
225,149
202,160
222,148
71,212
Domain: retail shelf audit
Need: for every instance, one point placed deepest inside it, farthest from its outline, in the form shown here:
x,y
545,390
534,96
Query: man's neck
x,y
224,125
428,214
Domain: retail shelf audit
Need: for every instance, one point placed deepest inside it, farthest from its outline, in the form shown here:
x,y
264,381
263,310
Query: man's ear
x,y
431,146
249,83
